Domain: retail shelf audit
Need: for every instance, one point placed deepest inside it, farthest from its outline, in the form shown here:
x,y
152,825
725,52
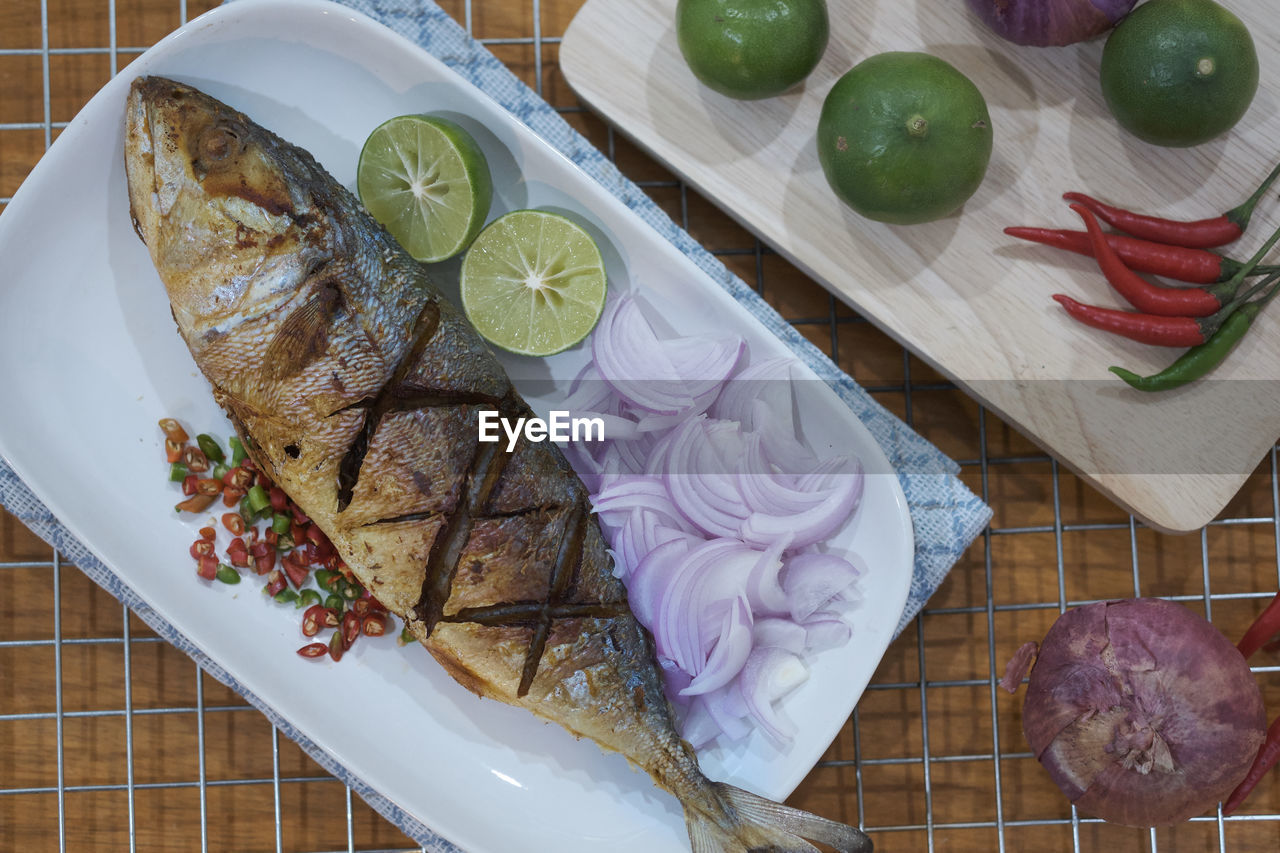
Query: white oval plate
x,y
92,360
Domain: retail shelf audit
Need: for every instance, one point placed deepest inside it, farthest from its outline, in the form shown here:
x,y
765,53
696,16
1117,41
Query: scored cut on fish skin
x,y
356,386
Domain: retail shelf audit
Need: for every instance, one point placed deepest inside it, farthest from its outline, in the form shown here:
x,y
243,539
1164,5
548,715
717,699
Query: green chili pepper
x,y
286,596
405,637
335,602
178,472
324,577
209,445
237,451
281,523
1199,360
258,499
348,590
226,574
220,470
308,597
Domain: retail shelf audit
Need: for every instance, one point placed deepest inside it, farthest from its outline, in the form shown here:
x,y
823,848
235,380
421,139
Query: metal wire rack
x,y
111,739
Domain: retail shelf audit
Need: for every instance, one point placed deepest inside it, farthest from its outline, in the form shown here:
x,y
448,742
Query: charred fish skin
x,y
357,386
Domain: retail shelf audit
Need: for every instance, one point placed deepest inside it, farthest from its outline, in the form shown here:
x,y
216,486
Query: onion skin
x,y
1142,713
1050,23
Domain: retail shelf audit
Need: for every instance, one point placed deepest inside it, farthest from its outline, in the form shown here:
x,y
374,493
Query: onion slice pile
x,y
715,511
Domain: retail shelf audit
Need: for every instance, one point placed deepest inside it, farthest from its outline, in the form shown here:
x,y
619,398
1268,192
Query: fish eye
x,y
217,145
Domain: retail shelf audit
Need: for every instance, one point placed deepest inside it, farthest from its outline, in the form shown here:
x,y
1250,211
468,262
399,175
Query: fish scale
x,y
355,385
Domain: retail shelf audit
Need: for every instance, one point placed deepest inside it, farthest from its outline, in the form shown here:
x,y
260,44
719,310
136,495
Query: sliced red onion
x,y
775,632
698,727
713,520
650,577
768,675
812,580
813,524
630,358
730,652
764,585
728,708
823,634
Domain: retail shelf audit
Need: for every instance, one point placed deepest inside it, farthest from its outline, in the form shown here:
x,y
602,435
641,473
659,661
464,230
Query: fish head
x,y
224,206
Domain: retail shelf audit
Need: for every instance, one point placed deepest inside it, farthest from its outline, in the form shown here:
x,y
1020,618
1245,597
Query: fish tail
x,y
752,823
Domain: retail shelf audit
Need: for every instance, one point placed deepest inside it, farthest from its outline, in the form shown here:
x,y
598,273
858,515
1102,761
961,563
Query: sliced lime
x,y
533,283
427,181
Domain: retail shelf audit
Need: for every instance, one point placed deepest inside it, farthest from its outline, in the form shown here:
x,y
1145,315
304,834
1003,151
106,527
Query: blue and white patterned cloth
x,y
946,515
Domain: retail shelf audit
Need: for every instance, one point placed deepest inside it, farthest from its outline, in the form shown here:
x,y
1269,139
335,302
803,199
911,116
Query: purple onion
x,y
1044,23
1141,711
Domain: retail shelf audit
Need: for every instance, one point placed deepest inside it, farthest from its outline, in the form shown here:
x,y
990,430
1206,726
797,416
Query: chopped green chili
x,y
307,598
258,499
178,472
237,451
286,596
335,602
226,574
209,445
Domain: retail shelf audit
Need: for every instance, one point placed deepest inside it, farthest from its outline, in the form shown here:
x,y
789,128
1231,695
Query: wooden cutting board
x,y
972,302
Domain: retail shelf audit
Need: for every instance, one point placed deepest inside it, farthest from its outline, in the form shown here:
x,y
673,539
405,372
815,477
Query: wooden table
x,y
109,736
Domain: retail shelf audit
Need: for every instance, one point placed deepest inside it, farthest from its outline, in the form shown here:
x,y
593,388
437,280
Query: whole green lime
x,y
752,49
904,138
1179,72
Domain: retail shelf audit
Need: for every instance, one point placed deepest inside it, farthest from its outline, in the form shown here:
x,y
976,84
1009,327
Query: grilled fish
x,y
357,386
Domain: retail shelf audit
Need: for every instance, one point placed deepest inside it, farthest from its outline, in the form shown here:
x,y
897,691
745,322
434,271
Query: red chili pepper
x,y
1196,266
172,450
264,564
1268,756
238,553
330,618
231,497
374,625
195,503
189,484
195,459
1142,294
311,620
208,568
279,500
1200,234
234,522
1144,328
1266,626
276,582
296,572
313,650
210,486
173,430
201,548
350,629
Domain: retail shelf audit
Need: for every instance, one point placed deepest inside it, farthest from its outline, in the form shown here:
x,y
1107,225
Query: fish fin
x,y
304,335
762,824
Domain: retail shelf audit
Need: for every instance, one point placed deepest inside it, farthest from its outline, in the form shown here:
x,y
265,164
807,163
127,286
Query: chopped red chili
x,y
195,503
173,430
314,650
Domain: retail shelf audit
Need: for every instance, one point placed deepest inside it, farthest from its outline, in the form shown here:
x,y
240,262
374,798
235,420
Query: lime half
x,y
427,181
533,283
